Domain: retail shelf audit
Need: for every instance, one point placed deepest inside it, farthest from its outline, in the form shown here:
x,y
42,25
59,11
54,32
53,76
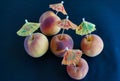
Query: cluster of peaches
x,y
61,45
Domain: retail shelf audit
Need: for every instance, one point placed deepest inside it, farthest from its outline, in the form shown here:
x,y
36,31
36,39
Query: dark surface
x,y
16,65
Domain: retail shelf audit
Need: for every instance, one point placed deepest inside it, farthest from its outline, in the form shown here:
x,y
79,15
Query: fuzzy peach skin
x,y
48,23
92,45
78,72
36,45
59,43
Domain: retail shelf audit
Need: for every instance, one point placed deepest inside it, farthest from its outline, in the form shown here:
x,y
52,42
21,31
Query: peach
x,y
48,23
92,45
59,43
36,45
79,71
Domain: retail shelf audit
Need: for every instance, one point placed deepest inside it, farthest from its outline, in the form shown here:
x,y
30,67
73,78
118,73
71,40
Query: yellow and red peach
x,y
36,45
92,45
59,43
48,23
79,71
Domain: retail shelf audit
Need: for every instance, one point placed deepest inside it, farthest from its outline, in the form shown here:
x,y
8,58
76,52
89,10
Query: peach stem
x,y
32,36
88,37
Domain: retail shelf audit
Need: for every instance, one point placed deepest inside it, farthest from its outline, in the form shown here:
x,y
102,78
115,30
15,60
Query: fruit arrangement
x,y
62,45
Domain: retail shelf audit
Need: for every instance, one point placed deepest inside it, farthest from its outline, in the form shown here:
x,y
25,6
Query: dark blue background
x,y
16,65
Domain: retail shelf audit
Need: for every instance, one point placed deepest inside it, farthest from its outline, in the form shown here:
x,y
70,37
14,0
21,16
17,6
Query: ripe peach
x,y
79,71
48,23
36,45
59,43
92,45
